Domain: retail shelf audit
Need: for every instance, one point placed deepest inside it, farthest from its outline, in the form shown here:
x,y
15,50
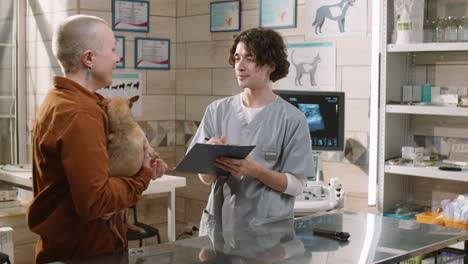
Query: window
x,y
8,81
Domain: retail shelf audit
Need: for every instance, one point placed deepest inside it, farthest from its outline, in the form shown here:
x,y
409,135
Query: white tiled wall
x,y
357,115
161,82
356,81
42,16
49,6
158,107
352,51
207,54
191,28
196,82
195,106
197,7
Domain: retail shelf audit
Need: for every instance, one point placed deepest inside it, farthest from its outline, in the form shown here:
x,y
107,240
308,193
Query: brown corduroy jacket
x,y
71,185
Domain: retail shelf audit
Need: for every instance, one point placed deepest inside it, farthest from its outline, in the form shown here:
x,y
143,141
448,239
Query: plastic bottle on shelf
x,y
439,35
465,30
450,30
427,29
461,28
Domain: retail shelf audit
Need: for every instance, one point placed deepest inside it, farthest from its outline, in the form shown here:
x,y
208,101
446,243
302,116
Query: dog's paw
x,y
107,216
136,228
154,155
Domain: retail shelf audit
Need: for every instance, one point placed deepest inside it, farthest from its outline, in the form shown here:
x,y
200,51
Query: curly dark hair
x,y
268,48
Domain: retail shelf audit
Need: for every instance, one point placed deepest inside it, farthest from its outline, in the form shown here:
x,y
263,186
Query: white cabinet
x,y
440,64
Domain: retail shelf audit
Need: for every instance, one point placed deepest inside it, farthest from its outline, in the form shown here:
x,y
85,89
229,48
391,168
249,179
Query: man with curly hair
x,y
262,187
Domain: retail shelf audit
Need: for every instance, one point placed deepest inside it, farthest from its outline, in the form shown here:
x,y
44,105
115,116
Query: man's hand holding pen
x,y
208,178
214,140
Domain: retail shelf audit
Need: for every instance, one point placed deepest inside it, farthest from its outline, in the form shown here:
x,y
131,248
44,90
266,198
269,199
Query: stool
x,y
135,235
4,258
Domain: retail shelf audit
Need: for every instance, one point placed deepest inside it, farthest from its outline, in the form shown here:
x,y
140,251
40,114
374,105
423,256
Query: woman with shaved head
x,y
71,184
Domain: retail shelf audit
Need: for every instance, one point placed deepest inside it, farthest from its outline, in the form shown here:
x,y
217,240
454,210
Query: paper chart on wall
x,y
152,53
127,85
335,18
130,15
312,67
120,51
278,13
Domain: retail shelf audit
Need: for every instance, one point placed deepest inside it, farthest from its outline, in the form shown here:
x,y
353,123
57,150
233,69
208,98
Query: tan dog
x,y
125,148
126,138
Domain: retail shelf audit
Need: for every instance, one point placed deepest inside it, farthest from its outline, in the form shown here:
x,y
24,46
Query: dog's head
x,y
118,109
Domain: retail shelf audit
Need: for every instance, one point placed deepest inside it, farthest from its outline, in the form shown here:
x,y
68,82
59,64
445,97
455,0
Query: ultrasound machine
x,y
324,112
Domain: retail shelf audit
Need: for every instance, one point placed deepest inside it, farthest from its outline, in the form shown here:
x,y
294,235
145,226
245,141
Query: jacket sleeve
x,y
86,164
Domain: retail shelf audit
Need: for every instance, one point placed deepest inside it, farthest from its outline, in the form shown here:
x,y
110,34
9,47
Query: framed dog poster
x,y
120,51
152,54
130,15
225,16
335,18
127,85
278,13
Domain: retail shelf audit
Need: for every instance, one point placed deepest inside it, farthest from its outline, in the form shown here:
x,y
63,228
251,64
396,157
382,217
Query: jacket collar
x,y
66,83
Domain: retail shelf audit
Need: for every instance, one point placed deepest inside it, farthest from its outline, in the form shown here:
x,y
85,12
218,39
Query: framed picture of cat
x,y
277,14
312,67
225,16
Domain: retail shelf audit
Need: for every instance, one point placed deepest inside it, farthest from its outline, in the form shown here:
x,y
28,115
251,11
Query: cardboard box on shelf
x,y
8,195
407,93
6,242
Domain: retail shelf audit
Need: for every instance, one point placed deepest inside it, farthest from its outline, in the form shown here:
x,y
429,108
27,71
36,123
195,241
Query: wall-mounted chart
x,y
278,13
127,85
335,18
312,67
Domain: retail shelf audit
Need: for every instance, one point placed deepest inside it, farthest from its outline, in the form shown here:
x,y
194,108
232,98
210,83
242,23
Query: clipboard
x,y
201,158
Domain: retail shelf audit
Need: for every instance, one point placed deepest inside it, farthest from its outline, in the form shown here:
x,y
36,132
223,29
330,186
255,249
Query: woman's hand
x,y
159,168
157,165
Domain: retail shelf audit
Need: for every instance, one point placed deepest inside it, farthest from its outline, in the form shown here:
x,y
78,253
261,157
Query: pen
x,y
342,236
446,168
207,138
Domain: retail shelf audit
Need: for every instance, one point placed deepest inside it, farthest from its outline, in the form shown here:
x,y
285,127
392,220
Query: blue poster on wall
x,y
278,13
225,16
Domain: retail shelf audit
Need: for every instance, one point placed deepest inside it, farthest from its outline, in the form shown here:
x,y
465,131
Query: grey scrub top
x,y
282,140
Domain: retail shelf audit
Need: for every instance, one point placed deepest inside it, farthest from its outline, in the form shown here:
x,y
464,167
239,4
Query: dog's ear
x,y
132,100
104,103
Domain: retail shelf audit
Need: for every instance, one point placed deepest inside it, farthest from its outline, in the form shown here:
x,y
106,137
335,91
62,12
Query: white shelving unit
x,y
397,124
428,172
428,47
427,110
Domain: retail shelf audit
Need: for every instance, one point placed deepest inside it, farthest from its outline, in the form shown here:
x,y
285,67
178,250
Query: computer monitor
x,y
325,116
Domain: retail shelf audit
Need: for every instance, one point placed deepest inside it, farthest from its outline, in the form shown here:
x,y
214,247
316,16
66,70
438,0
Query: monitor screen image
x,y
324,112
